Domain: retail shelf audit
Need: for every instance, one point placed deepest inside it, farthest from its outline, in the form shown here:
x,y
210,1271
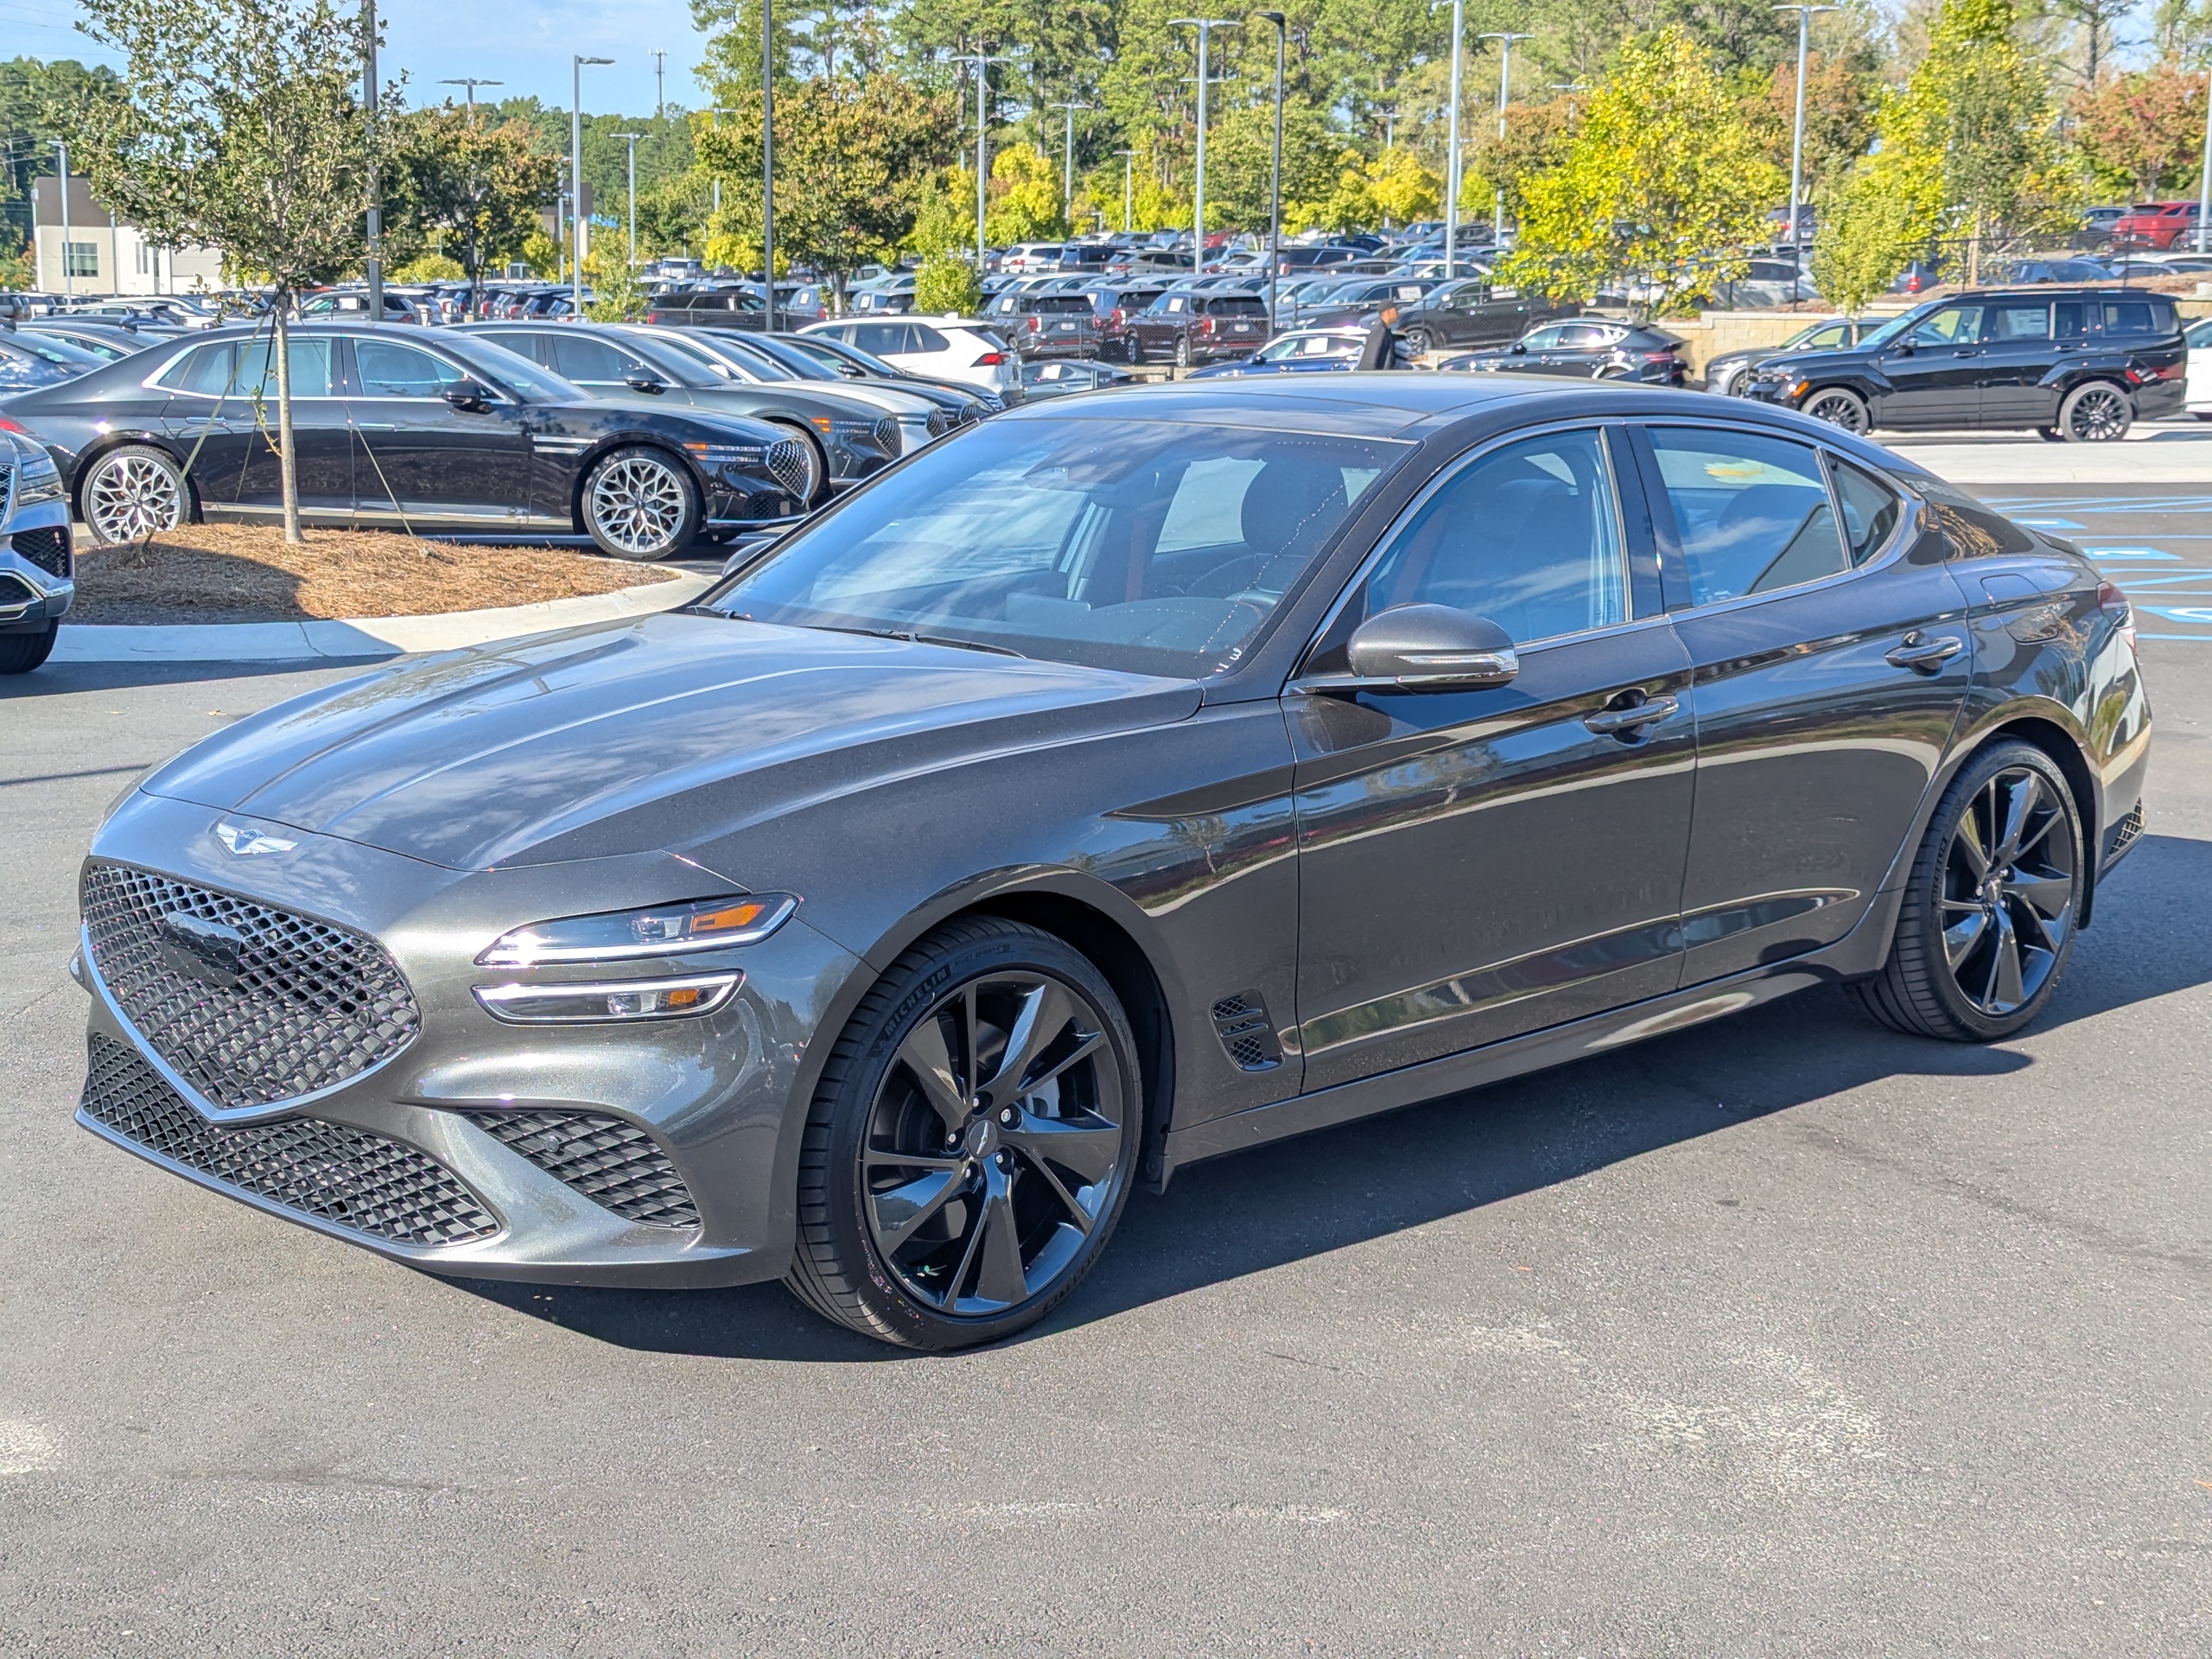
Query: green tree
x,y
946,284
1240,155
2141,134
1663,184
235,125
473,187
1023,204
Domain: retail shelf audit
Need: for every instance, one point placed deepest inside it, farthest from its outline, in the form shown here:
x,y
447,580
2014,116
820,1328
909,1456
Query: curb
x,y
360,637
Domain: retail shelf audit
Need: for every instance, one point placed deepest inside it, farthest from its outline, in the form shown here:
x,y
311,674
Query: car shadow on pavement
x,y
1300,1199
65,678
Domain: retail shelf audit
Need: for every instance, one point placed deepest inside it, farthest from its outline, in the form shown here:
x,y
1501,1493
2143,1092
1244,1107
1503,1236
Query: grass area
x,y
245,573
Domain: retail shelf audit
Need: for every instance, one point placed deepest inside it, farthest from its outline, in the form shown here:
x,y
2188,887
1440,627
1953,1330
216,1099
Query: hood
x,y
1823,362
657,732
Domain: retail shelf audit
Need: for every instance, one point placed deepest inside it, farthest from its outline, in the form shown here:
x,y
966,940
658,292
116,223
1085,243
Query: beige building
x,y
100,255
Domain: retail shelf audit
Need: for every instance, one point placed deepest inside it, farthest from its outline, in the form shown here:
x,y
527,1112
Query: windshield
x,y
1148,546
1896,326
805,364
740,353
510,368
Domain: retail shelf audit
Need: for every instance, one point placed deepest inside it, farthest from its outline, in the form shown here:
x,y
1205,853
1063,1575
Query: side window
x,y
1870,509
1208,508
1835,334
1526,536
1954,325
1542,340
2018,323
2071,319
205,370
582,359
921,337
1752,513
2127,316
390,370
310,361
876,337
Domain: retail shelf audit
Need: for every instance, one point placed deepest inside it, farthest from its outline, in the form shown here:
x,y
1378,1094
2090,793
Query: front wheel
x,y
641,503
971,1143
1987,922
1419,341
2098,412
1839,407
22,652
133,492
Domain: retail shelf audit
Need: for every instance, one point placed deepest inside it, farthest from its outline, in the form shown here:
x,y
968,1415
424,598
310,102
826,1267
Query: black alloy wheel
x,y
1987,923
1182,351
2096,412
1419,341
1838,407
972,1140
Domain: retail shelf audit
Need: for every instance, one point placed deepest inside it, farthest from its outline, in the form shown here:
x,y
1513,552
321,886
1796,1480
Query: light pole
x,y
1206,26
983,61
1274,180
1067,167
1129,189
577,175
1451,149
768,162
68,282
718,177
1504,71
2204,177
472,83
375,269
633,138
1797,134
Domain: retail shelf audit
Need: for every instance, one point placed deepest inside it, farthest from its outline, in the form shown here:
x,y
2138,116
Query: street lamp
x,y
983,61
1797,135
633,138
718,177
1504,70
68,282
1275,183
1067,167
768,162
577,175
2204,178
1452,149
374,272
472,83
1206,26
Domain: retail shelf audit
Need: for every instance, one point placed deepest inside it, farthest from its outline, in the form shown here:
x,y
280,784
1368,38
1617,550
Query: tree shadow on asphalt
x,y
1302,1199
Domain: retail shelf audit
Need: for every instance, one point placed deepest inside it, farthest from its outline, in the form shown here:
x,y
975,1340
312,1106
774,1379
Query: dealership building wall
x,y
105,256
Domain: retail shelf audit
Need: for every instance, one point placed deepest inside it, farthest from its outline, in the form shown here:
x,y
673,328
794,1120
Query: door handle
x,y
1968,350
1923,655
1631,717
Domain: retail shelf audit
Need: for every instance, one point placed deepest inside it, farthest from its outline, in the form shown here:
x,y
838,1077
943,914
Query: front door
x,y
1829,667
1935,371
1475,864
417,456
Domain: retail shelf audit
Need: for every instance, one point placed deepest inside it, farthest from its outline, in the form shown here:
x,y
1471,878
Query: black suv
x,y
2075,364
1470,312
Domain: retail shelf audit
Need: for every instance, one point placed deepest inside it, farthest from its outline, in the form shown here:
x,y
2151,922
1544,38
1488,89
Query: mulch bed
x,y
245,573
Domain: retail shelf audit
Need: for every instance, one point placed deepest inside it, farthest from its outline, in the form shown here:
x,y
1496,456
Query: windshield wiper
x,y
914,639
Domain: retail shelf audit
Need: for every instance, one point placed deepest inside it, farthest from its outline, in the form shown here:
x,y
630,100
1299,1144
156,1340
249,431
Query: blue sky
x,y
525,43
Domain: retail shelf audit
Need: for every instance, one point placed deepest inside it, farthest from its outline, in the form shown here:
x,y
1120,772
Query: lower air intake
x,y
1247,1033
610,1162
347,1177
48,548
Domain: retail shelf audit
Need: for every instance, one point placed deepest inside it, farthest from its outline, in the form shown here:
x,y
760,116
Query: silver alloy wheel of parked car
x,y
1839,407
639,504
133,492
2095,413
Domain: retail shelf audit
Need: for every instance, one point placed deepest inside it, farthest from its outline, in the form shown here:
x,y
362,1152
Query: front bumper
x,y
37,564
711,1101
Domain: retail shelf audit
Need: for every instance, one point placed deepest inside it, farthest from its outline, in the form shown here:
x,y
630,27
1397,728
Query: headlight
x,y
662,931
636,998
727,457
37,482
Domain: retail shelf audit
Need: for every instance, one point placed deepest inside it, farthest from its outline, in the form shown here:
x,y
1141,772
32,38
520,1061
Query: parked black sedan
x,y
1730,374
843,438
1589,348
1120,783
425,430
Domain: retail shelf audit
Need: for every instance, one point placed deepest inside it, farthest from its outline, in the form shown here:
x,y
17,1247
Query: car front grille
x,y
886,435
347,1177
787,464
48,548
7,488
610,1162
941,421
251,1004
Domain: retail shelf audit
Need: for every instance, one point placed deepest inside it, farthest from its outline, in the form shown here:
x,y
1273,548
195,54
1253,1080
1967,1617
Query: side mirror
x,y
1904,348
1432,648
468,394
645,380
1518,347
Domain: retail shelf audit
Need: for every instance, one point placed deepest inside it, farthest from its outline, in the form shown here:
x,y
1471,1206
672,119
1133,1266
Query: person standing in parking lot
x,y
1380,350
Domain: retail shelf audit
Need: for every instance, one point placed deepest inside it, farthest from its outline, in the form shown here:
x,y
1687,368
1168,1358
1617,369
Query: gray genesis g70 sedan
x,y
1113,785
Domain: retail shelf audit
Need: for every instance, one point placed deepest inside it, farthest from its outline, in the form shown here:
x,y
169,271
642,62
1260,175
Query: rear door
x,y
222,415
1829,667
2018,352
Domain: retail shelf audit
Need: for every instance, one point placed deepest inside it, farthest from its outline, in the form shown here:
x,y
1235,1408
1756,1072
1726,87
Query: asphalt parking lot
x,y
1782,1335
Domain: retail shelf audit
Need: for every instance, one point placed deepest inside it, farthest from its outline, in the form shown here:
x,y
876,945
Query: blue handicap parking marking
x,y
2130,555
2182,613
2049,524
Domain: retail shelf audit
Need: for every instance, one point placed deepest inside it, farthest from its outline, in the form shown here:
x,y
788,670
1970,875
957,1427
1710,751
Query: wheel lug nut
x,y
1007,1117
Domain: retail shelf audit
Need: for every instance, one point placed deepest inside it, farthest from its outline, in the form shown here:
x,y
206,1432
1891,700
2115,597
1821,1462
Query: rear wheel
x,y
22,652
2050,435
2097,412
1183,352
1839,407
1987,922
971,1143
131,493
641,503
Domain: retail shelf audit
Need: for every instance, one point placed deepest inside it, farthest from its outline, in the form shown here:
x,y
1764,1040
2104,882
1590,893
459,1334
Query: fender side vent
x,y
1247,1033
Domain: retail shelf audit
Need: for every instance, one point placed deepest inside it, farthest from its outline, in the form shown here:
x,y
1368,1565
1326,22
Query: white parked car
x,y
2197,393
943,348
1031,256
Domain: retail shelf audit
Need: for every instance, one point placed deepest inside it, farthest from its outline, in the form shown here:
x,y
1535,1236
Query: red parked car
x,y
2156,225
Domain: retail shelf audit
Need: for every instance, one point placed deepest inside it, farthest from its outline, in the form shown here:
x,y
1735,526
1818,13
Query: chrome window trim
x,y
1398,526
